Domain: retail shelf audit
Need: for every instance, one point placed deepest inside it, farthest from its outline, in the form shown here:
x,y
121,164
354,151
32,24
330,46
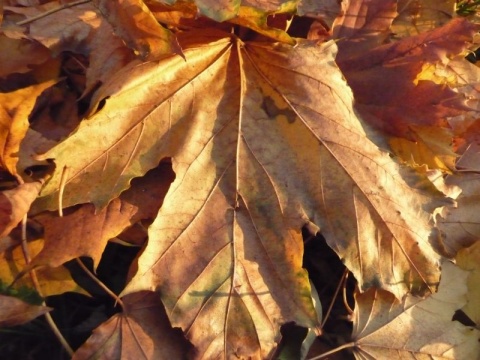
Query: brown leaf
x,y
386,328
14,311
79,29
383,80
18,55
363,25
86,232
15,108
141,332
133,22
15,203
257,155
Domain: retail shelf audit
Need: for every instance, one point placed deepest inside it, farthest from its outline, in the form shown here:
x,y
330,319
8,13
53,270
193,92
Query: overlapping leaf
x,y
86,232
14,311
142,332
385,328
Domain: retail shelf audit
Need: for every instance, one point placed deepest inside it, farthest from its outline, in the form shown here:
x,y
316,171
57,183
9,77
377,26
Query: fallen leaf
x,y
79,29
468,259
15,109
133,22
418,16
18,55
363,25
386,328
52,281
384,80
14,311
15,203
238,203
86,232
432,147
458,226
141,332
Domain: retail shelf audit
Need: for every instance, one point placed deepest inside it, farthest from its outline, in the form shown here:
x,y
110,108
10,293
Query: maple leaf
x,y
383,79
238,203
141,332
14,311
383,325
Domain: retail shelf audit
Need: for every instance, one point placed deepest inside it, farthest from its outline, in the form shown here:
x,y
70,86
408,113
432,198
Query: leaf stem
x,y
52,11
63,181
36,284
337,349
101,284
340,283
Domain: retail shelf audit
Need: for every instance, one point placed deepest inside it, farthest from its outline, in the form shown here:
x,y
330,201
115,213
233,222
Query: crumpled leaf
x,y
469,259
363,25
134,23
386,328
15,203
14,311
384,80
15,108
79,29
237,205
53,281
86,232
459,226
141,332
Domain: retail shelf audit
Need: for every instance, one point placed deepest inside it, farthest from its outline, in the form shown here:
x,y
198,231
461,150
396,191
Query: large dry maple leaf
x,y
263,139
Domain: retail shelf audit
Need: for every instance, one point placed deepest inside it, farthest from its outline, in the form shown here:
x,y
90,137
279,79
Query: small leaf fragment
x,y
14,311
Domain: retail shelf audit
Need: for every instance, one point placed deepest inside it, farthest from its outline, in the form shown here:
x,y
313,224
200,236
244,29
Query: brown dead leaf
x,y
386,328
469,259
363,25
53,281
256,156
15,203
141,332
18,55
133,22
82,30
384,80
15,109
86,232
14,311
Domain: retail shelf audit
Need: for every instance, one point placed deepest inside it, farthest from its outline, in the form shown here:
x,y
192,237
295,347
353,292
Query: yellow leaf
x,y
15,108
53,281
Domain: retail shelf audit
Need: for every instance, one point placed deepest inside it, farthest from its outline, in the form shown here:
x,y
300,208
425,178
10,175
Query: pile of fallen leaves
x,y
232,145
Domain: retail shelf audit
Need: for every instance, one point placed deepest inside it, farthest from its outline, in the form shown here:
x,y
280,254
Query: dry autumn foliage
x,y
246,156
